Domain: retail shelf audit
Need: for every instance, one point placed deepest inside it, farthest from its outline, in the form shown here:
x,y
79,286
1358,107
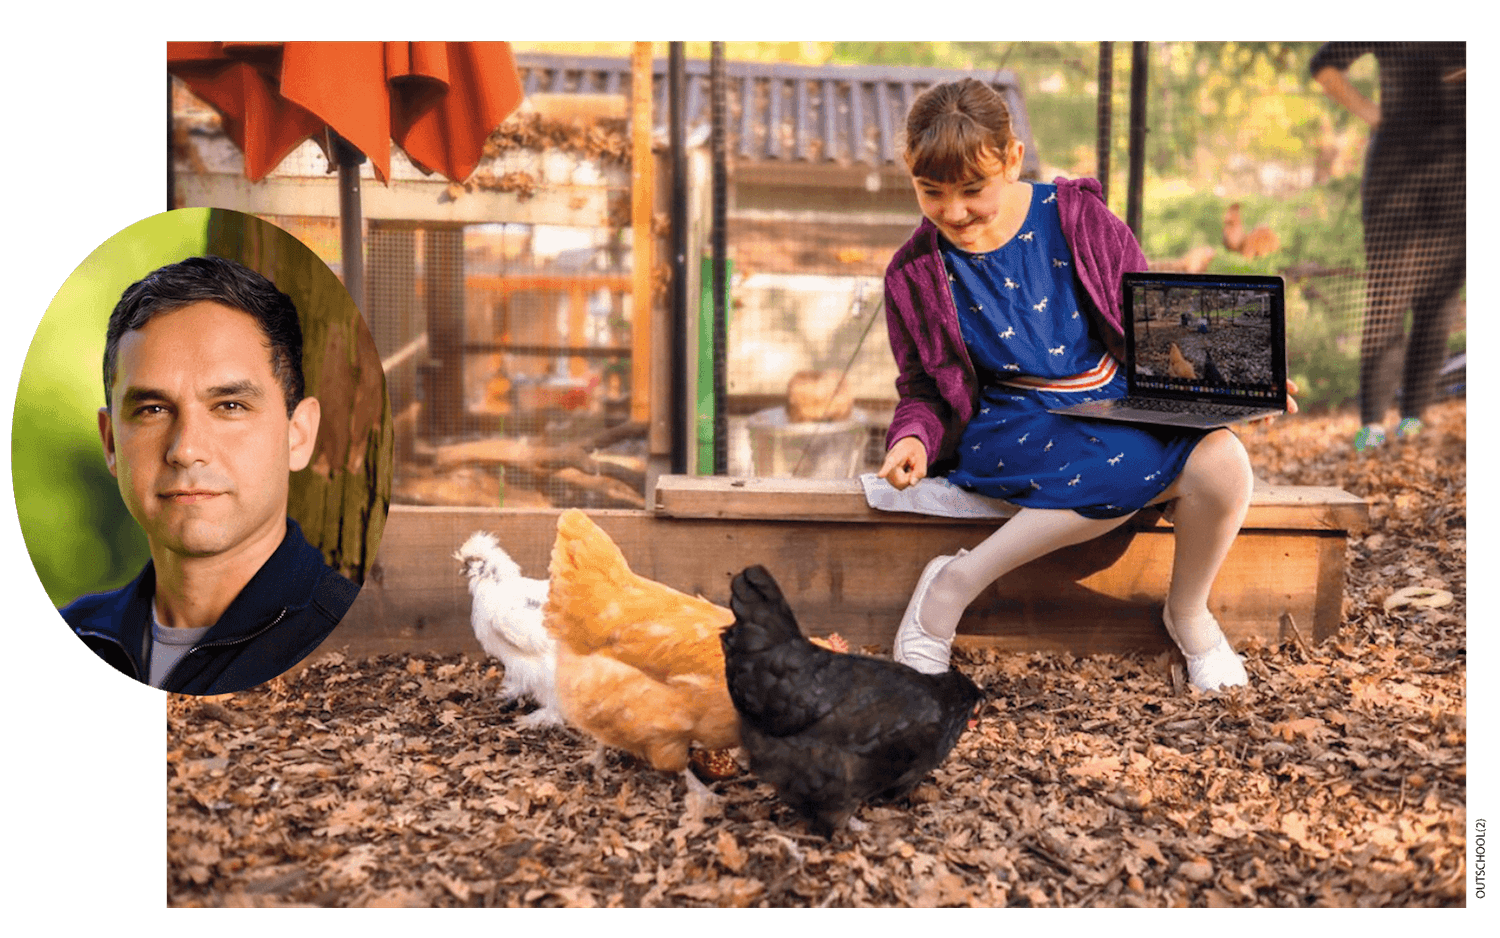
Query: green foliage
x,y
1063,130
1071,62
1322,356
74,523
1319,225
1458,341
1218,114
1321,256
1210,100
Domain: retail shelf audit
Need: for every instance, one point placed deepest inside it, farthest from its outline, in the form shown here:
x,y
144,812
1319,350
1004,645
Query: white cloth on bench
x,y
932,496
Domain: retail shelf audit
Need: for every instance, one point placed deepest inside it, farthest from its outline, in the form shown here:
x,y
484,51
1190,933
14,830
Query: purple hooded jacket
x,y
937,383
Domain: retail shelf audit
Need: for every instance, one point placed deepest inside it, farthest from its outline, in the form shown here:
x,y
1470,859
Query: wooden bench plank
x,y
848,568
727,497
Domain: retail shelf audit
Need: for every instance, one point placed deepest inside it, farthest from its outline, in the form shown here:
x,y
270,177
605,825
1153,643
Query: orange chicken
x,y
1178,366
640,666
1258,242
818,396
1195,261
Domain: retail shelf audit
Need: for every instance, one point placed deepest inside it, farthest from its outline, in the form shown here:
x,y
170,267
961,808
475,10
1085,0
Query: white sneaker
x,y
914,647
1218,667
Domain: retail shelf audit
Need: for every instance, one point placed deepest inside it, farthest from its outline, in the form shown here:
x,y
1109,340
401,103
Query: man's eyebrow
x,y
135,395
242,388
245,388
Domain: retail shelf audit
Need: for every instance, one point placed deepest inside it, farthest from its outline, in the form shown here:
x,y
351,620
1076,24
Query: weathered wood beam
x,y
852,571
1272,507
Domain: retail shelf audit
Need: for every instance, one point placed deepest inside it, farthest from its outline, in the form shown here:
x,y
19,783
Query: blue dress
x,y
1033,349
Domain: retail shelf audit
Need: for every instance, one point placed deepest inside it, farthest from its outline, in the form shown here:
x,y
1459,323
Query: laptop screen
x,y
1208,337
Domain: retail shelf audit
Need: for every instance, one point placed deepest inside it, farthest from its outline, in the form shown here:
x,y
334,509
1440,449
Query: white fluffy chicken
x,y
507,618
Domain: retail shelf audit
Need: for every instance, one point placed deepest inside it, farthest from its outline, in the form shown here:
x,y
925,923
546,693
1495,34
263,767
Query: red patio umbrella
x,y
438,101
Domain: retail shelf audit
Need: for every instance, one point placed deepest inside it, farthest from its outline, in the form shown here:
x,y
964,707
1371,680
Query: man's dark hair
x,y
209,278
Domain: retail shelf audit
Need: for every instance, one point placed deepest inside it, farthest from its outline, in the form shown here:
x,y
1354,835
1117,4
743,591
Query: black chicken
x,y
1211,373
827,730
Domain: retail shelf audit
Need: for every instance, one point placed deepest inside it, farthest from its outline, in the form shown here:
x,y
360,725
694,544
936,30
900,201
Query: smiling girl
x,y
1005,302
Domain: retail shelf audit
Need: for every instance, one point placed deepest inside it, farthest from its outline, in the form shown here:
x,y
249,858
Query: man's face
x,y
198,436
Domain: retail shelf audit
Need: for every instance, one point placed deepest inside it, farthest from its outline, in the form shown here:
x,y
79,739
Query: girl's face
x,y
974,214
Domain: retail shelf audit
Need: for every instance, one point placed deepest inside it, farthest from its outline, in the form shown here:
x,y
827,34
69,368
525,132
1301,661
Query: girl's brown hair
x,y
955,130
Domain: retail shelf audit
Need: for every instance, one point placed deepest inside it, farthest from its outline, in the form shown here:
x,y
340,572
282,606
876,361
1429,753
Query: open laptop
x,y
1201,350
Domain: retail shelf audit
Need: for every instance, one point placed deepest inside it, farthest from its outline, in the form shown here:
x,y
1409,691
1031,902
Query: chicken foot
x,y
700,800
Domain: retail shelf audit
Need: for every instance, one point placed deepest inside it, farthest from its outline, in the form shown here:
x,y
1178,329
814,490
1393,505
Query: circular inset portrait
x,y
201,452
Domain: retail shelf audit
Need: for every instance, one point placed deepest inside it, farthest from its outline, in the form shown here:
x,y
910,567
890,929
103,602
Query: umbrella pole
x,y
351,218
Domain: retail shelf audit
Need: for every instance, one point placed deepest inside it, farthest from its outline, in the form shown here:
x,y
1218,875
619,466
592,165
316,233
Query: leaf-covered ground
x,y
1336,779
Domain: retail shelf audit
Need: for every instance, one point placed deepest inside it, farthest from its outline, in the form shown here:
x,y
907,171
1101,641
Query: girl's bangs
x,y
951,152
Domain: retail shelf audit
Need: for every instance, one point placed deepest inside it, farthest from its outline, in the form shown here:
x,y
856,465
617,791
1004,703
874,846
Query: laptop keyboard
x,y
1165,406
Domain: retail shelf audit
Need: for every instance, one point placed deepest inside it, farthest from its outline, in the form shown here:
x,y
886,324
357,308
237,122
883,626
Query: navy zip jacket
x,y
286,610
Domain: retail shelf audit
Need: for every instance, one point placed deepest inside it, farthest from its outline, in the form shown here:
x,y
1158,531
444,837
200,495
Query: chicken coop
x,y
502,307
549,332
525,316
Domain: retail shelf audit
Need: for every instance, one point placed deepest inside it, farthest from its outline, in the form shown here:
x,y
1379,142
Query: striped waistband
x,y
1091,380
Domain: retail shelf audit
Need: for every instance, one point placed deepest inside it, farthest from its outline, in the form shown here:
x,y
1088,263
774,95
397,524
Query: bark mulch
x,y
1337,778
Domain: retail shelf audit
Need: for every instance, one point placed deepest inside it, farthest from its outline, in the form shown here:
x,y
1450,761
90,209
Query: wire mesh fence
x,y
508,341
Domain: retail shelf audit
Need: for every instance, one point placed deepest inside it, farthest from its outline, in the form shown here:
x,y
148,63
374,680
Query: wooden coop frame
x,y
849,568
843,566
547,184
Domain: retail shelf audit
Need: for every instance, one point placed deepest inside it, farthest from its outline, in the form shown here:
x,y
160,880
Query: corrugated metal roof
x,y
828,113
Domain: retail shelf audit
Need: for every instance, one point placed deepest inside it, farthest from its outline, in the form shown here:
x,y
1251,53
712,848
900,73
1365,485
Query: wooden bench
x,y
848,568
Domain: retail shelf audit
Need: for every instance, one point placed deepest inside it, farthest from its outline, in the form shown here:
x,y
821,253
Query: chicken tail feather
x,y
762,616
596,601
585,565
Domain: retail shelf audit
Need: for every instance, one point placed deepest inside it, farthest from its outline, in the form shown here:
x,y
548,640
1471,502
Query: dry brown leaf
x,y
1423,597
1338,777
1197,870
730,853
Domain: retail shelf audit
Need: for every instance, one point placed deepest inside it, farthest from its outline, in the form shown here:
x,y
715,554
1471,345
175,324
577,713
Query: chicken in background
x,y
1195,261
1177,365
818,396
1258,242
1211,373
582,396
506,614
639,664
831,731
497,388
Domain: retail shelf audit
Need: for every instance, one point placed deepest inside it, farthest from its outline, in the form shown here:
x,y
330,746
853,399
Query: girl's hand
x,y
1291,402
906,463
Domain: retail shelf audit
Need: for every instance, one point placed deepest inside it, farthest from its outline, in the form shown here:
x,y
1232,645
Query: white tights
x,y
1212,493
